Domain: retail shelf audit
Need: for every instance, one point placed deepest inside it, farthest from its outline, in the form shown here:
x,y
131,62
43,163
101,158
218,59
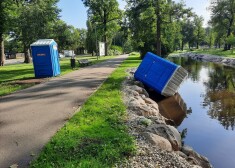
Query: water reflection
x,y
190,65
220,89
220,95
173,108
209,129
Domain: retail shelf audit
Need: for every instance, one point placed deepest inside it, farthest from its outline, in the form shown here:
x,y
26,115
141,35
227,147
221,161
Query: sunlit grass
x,y
214,51
219,52
11,73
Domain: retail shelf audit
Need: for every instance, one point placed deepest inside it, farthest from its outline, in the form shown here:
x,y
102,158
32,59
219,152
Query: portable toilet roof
x,y
43,42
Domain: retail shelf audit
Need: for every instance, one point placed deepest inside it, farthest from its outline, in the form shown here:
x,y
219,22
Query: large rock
x,y
146,111
158,141
151,103
131,92
195,158
140,90
168,132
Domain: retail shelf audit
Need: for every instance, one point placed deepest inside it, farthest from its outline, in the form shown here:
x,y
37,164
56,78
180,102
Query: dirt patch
x,y
30,81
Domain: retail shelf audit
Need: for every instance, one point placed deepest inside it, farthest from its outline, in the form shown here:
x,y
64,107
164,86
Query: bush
x,y
117,48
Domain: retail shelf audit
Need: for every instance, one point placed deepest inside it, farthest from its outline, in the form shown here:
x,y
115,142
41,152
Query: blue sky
x,y
74,12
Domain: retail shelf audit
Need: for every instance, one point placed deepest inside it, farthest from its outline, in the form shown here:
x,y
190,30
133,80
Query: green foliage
x,y
117,48
127,48
154,24
96,136
199,31
231,39
104,15
67,37
210,37
223,19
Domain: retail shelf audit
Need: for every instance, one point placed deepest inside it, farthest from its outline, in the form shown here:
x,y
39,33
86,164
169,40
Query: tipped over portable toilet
x,y
45,58
160,74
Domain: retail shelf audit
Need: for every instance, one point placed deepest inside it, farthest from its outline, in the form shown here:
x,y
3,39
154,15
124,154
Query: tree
x,y
231,41
34,19
199,30
152,22
187,31
7,13
103,12
223,15
82,39
210,36
91,40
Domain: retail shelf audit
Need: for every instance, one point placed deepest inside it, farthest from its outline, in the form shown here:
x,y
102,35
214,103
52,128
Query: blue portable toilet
x,y
160,74
45,58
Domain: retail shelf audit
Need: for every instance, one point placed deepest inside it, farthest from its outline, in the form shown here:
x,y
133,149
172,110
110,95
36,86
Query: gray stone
x,y
187,150
133,104
138,83
147,111
196,166
140,100
181,154
195,158
158,141
168,132
132,92
140,90
149,101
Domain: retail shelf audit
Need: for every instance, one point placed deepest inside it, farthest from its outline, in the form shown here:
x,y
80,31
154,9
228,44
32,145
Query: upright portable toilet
x,y
45,58
160,74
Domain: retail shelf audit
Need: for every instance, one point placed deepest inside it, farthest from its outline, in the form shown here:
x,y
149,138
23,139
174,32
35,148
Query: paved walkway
x,y
29,118
14,61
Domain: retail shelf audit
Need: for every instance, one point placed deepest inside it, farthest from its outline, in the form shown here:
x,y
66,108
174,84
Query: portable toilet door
x,y
45,58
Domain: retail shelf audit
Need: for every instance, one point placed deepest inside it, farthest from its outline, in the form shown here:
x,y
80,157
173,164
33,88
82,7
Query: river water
x,y
204,110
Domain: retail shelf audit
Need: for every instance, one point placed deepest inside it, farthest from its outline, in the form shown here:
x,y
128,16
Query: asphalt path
x,y
30,117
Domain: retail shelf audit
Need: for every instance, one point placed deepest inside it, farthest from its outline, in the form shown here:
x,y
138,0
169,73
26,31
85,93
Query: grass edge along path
x,y
96,136
11,73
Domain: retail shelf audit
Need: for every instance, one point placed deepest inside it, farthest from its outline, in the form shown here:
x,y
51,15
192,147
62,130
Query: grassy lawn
x,y
96,136
218,52
11,73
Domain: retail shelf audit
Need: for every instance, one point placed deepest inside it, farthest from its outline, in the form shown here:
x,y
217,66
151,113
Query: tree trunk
x,y
225,46
2,54
105,33
182,46
197,45
158,29
27,55
228,46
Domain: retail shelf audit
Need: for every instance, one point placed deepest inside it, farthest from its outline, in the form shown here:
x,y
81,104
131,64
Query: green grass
x,y
218,52
11,73
96,136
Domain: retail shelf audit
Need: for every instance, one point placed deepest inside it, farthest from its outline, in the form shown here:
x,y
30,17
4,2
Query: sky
x,y
74,13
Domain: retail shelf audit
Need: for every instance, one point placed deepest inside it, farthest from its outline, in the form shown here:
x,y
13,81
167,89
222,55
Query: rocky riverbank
x,y
210,58
158,144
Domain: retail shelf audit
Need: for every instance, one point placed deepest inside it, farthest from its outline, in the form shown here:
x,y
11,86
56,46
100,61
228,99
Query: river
x,y
204,110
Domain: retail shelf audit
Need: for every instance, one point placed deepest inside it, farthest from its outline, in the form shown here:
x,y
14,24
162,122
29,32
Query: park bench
x,y
83,62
